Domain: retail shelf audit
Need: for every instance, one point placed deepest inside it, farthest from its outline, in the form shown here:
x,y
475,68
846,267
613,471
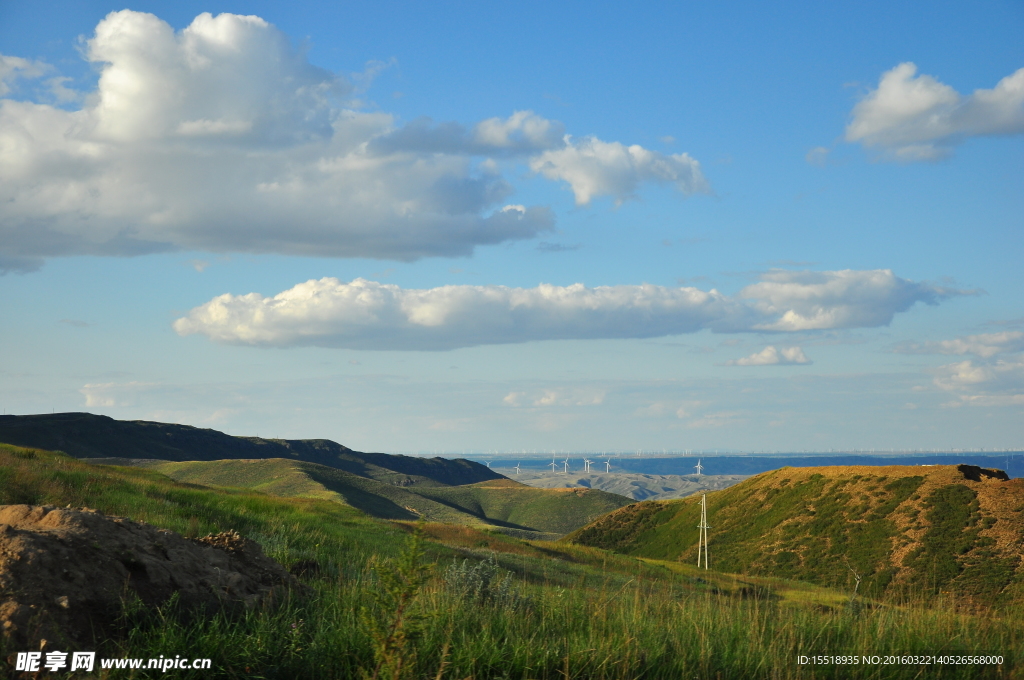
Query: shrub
x,y
484,583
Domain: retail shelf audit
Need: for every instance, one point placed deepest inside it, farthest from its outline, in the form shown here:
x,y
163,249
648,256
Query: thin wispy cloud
x,y
994,383
984,345
365,314
994,377
222,137
549,247
772,356
911,117
15,68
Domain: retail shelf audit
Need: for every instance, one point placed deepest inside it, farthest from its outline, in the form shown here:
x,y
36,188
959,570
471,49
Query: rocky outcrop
x,y
66,574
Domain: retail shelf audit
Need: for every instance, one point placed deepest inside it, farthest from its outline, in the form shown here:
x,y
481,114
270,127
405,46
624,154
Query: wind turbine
x,y
565,462
586,464
702,540
552,464
699,467
608,465
517,468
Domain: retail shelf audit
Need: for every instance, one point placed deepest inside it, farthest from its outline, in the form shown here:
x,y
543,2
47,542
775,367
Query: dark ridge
x,y
88,436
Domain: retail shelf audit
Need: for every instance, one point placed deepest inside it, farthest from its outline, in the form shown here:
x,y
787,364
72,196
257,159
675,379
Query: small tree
x,y
398,623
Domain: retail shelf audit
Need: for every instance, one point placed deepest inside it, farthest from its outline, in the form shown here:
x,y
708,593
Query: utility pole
x,y
702,541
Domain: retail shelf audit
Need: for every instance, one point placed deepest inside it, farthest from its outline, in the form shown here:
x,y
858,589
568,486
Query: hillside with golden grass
x,y
904,531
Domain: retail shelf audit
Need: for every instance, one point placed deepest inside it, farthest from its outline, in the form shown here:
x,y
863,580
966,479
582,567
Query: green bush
x,y
484,583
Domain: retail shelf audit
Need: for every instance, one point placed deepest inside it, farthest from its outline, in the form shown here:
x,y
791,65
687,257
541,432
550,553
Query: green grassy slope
x,y
84,435
949,529
499,503
309,480
583,613
556,511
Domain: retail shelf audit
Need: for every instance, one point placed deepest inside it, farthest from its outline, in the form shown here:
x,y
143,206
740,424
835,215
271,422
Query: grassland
x,y
581,612
499,503
556,511
901,530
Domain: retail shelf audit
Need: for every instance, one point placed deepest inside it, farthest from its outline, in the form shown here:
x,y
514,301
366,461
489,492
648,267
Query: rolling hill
x,y
903,530
500,504
88,436
381,485
555,511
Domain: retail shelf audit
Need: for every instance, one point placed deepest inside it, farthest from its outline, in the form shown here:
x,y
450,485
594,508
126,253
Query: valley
x,y
637,486
525,581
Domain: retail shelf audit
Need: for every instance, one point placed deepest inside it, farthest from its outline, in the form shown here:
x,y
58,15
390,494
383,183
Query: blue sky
x,y
539,226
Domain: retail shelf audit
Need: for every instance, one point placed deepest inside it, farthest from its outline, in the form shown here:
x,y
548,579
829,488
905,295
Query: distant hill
x,y
1012,462
639,487
902,529
380,484
84,435
499,503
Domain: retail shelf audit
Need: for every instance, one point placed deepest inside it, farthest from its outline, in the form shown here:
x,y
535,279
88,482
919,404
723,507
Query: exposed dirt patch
x,y
65,574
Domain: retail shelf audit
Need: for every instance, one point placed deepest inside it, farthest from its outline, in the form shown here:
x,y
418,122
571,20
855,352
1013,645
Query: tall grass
x,y
580,612
641,631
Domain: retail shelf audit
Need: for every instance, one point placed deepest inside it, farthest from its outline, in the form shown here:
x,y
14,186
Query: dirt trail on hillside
x,y
65,574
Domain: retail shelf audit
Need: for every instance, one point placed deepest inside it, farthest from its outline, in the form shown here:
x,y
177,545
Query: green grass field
x,y
495,503
563,611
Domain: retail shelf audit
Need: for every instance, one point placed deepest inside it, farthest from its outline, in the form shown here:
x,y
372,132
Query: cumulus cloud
x,y
771,356
222,137
368,315
801,301
912,117
595,168
984,345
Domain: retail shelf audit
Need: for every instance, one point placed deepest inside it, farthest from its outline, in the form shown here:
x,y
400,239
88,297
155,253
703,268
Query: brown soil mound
x,y
65,574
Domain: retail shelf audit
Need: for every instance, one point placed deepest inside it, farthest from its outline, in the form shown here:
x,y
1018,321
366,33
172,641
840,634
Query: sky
x,y
467,227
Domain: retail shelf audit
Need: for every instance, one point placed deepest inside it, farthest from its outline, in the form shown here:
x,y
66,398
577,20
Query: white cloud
x,y
913,117
984,382
799,301
369,315
549,398
984,345
771,356
12,68
222,137
523,129
595,168
994,378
